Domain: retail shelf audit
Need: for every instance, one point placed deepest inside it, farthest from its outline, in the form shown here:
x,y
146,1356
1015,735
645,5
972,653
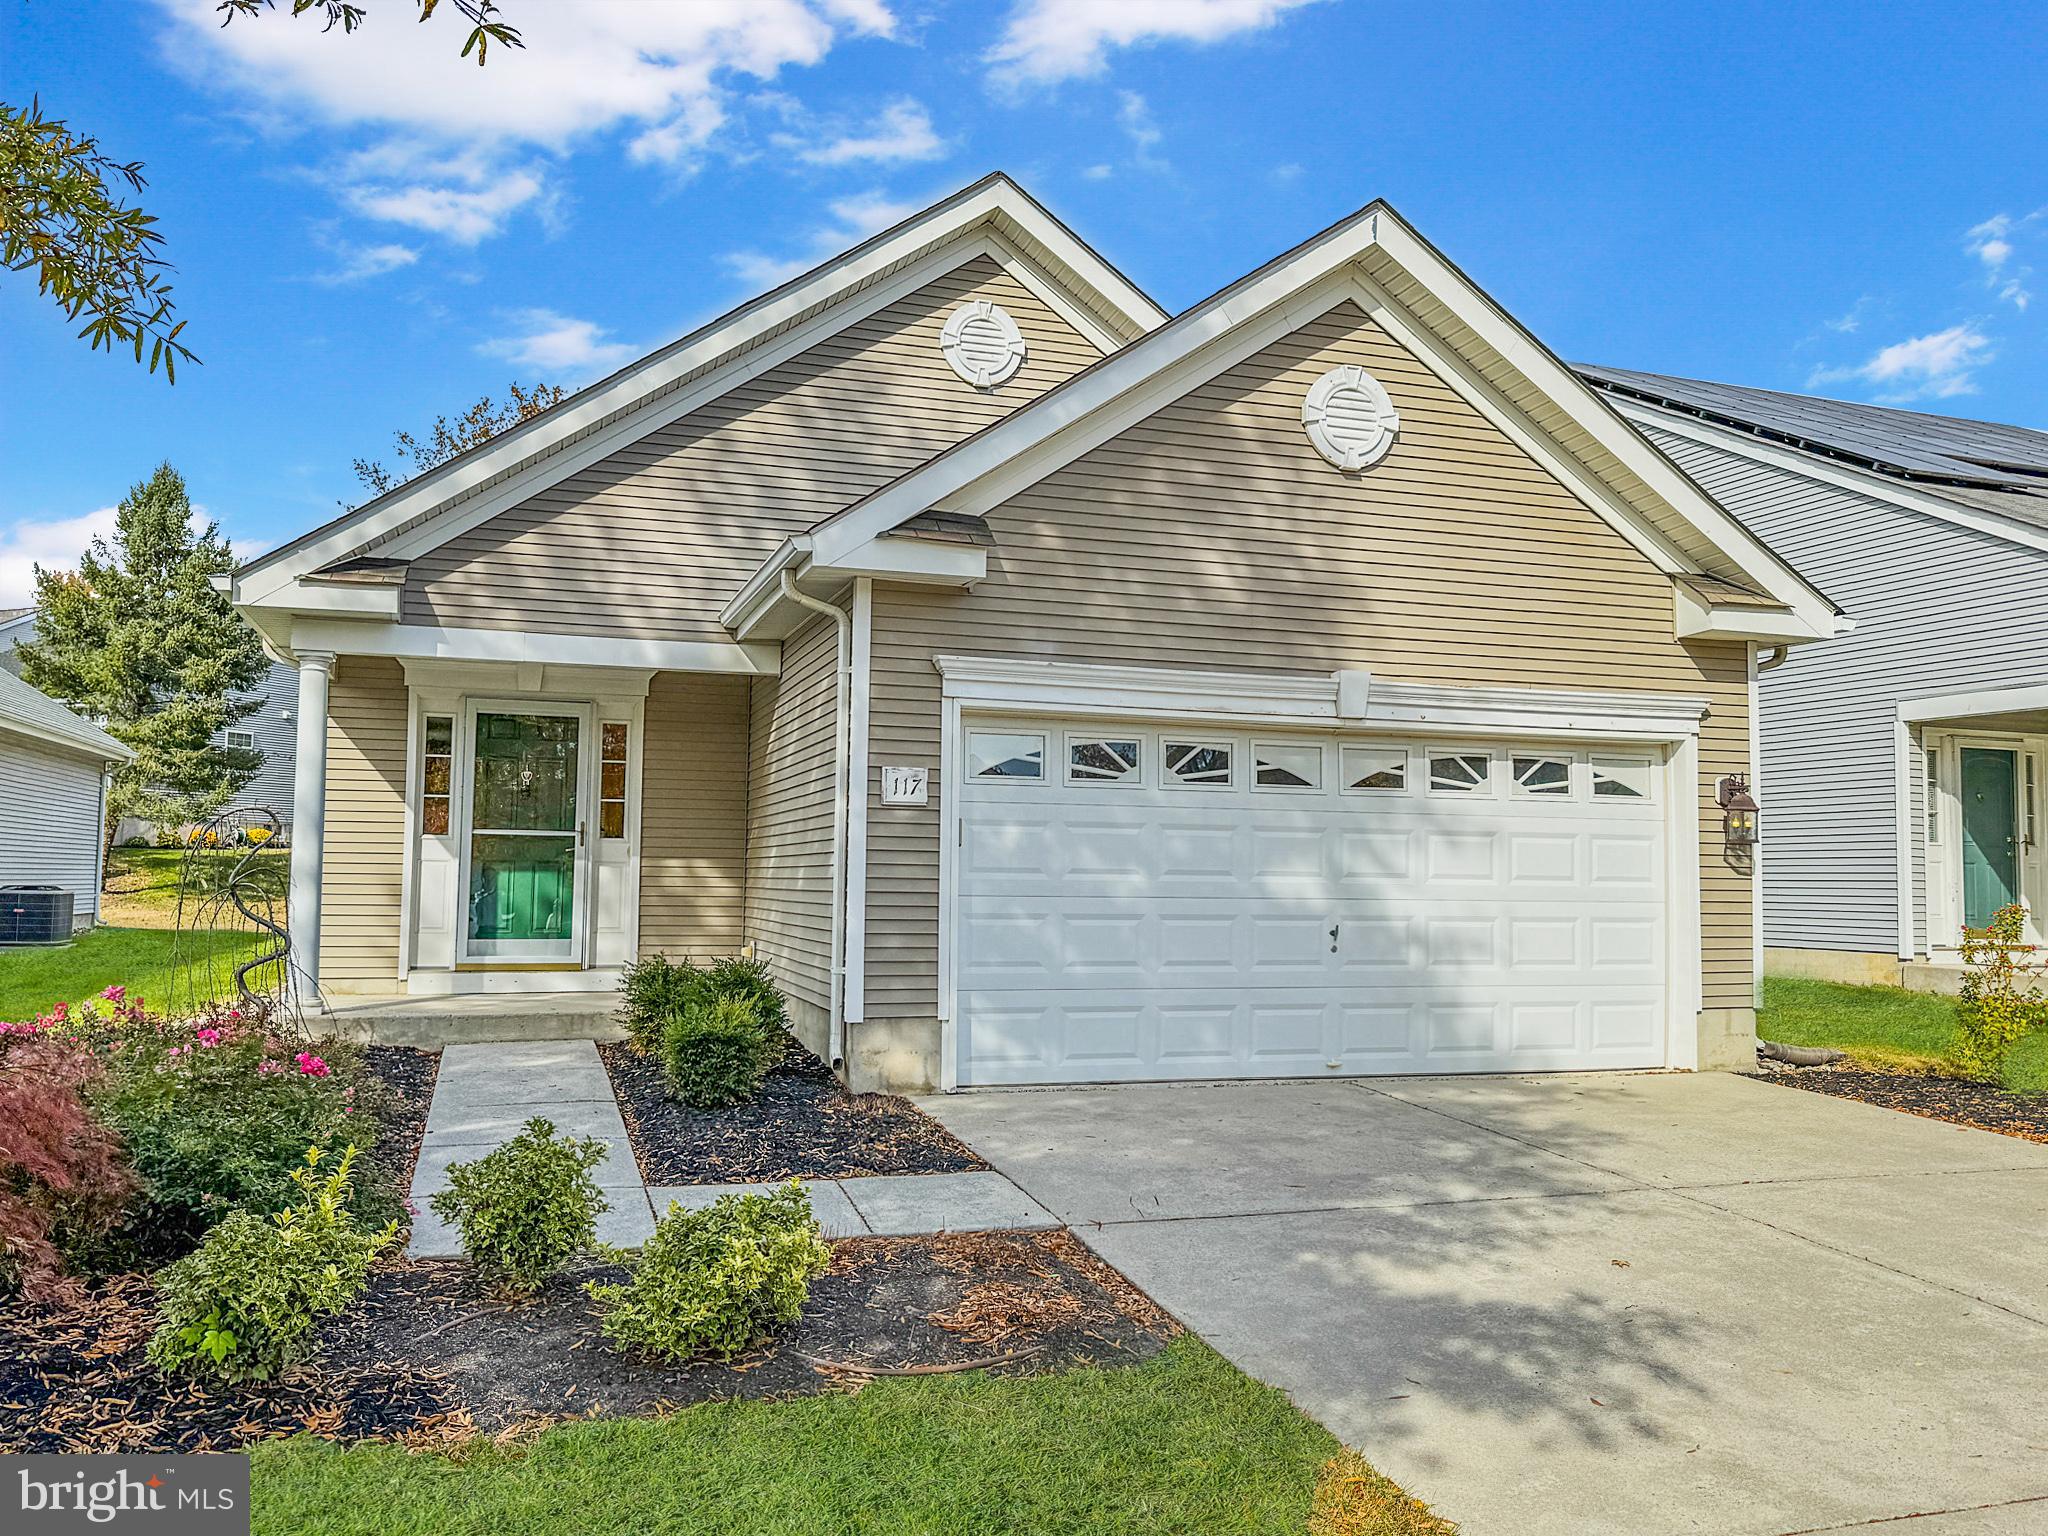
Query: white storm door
x,y
525,866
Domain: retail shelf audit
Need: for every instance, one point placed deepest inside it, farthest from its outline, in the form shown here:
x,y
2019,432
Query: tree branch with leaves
x,y
451,435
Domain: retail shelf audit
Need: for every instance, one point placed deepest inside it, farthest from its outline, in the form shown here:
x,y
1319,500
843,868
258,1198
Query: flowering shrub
x,y
63,1178
243,1307
218,1111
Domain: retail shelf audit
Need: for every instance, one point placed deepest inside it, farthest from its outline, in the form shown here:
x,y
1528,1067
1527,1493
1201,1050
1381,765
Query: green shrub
x,y
243,1306
716,1053
653,990
527,1208
1995,1011
710,1283
737,976
217,1113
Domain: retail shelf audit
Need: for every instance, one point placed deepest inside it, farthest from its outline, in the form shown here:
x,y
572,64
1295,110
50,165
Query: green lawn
x,y
142,883
1183,1443
167,969
1881,1026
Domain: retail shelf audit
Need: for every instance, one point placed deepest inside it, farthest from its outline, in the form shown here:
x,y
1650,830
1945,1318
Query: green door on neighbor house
x,y
1991,862
525,838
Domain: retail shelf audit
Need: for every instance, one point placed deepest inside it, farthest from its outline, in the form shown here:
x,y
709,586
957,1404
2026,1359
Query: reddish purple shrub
x,y
63,1174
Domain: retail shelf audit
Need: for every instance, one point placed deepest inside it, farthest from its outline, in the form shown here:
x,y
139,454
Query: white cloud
x,y
1096,172
55,544
1047,41
1988,242
903,131
1937,366
1993,243
560,346
358,263
852,220
1134,116
666,73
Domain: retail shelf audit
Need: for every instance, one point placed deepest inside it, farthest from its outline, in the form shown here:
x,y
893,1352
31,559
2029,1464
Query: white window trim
x,y
1044,753
1488,790
1387,749
1195,741
246,744
1321,785
1135,779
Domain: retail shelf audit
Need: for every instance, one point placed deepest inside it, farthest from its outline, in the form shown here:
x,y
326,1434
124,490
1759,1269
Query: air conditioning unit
x,y
35,914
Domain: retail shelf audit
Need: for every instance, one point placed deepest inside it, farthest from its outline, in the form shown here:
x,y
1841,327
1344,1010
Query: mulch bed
x,y
1981,1105
429,1359
409,1074
803,1124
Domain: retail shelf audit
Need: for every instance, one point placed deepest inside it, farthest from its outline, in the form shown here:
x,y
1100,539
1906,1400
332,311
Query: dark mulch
x,y
429,1358
408,1075
1981,1105
803,1124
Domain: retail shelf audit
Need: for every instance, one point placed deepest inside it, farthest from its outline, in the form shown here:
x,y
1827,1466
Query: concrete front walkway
x,y
485,1093
1627,1304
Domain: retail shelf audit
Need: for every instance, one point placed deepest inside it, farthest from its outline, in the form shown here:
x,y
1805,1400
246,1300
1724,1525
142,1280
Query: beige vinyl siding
x,y
362,869
652,541
789,814
1213,535
50,828
693,815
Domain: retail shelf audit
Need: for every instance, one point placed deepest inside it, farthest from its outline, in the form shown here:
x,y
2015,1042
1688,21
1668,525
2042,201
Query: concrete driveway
x,y
1590,1304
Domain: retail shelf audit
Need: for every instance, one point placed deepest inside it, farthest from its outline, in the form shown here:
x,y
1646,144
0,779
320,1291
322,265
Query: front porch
x,y
429,1022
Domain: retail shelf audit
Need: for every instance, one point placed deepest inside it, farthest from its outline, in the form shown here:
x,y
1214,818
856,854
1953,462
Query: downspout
x,y
841,755
1777,657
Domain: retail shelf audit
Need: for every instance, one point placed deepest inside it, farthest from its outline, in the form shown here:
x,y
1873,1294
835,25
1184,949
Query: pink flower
x,y
268,1067
208,1037
311,1065
116,994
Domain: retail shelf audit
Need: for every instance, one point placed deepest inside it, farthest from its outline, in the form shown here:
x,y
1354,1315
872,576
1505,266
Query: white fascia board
x,y
43,734
1054,298
378,601
426,642
1000,684
1846,477
960,228
917,562
1982,701
1697,618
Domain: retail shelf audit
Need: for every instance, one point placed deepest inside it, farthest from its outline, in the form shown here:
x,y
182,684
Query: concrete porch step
x,y
401,1019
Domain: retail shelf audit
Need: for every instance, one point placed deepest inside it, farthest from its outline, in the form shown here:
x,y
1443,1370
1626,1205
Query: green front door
x,y
1990,841
525,836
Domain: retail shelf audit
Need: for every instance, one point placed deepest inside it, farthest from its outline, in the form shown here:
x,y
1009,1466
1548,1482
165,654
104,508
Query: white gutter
x,y
841,757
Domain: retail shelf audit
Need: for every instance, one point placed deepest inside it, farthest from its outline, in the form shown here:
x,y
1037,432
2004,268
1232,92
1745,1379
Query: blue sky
x,y
1848,200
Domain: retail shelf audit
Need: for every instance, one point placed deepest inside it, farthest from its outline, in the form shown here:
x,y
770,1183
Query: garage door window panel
x,y
1105,760
1296,766
1460,773
1005,755
1548,777
1621,778
1375,770
1198,764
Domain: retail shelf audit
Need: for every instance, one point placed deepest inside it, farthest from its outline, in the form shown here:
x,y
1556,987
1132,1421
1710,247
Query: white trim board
x,y
972,222
1007,684
1983,701
429,643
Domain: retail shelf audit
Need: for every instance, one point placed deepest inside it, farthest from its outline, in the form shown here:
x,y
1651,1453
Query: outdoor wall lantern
x,y
1739,810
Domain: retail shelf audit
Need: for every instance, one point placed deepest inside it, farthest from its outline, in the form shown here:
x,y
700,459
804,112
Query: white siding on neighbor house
x,y
50,822
274,724
1938,608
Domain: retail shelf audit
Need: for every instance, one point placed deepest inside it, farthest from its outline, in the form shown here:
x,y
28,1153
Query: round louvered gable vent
x,y
982,343
1349,418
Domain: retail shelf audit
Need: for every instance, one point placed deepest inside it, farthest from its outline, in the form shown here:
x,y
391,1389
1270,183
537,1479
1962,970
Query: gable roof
x,y
1376,259
1984,464
25,712
1100,301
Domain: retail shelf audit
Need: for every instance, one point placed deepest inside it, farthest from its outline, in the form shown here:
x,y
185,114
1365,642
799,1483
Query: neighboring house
x,y
53,796
268,728
1933,532
1322,681
16,625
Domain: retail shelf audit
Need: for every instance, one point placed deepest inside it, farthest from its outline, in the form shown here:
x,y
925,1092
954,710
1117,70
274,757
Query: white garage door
x,y
1159,902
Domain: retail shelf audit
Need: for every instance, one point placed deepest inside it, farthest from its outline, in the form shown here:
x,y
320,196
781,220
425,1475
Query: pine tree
x,y
138,640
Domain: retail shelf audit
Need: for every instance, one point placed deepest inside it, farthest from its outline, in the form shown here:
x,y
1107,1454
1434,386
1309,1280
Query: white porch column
x,y
309,821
